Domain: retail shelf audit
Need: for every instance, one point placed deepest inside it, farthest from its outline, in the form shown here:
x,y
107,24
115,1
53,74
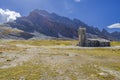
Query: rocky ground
x,y
28,60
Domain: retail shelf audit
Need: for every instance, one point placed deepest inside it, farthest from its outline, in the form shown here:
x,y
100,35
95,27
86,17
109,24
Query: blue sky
x,y
98,13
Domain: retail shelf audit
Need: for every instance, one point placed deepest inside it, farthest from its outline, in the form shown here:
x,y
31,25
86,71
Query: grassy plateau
x,y
57,60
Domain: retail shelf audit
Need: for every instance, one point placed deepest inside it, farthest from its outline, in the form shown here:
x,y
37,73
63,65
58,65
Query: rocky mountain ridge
x,y
53,25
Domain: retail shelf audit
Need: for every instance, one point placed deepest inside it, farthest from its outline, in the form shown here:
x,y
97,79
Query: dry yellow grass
x,y
115,43
44,42
35,60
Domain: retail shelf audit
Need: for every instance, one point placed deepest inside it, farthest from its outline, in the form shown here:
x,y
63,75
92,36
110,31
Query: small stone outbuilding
x,y
97,43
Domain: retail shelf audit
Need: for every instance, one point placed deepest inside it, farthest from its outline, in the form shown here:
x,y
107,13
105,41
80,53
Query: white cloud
x,y
77,0
116,25
8,15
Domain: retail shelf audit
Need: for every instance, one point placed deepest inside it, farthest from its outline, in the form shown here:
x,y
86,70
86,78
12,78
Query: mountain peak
x,y
41,12
54,25
104,31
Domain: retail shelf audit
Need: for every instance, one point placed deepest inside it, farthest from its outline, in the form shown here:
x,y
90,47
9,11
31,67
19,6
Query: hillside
x,y
12,33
